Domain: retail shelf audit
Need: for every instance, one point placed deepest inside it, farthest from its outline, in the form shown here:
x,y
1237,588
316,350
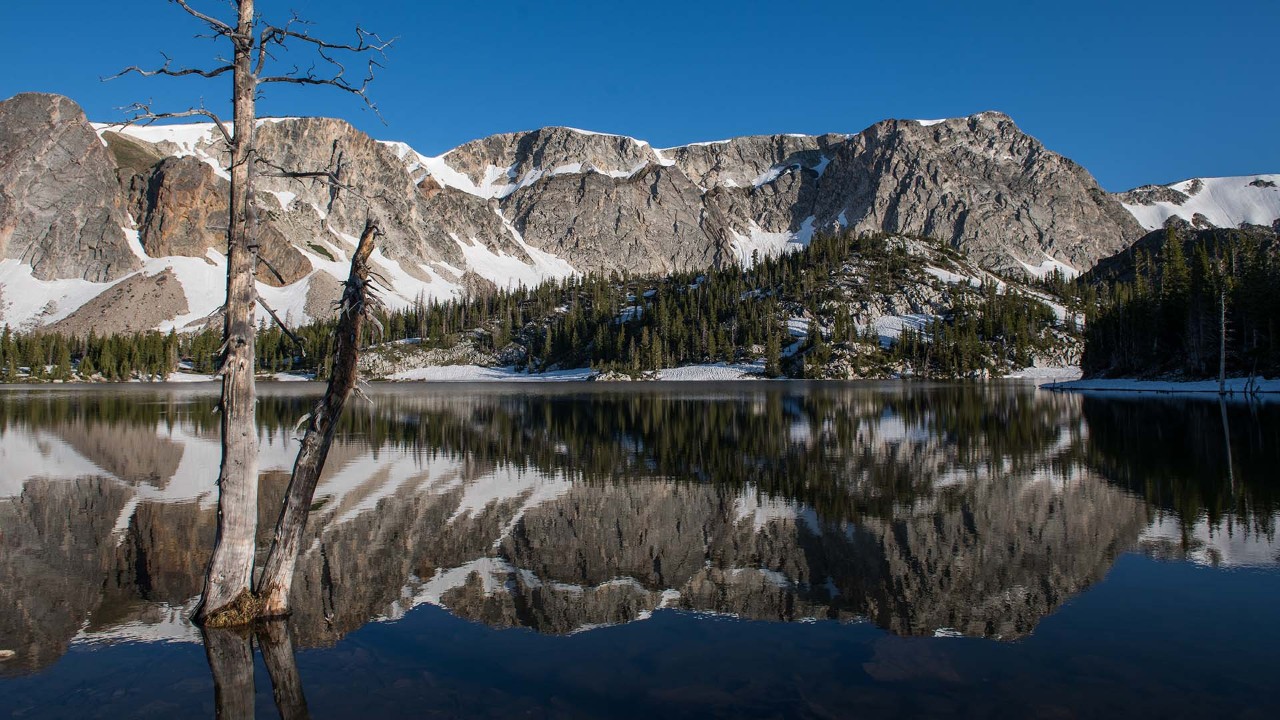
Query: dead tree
x,y
228,591
277,575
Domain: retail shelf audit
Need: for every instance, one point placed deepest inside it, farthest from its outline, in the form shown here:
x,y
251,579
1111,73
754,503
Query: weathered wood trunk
x,y
286,684
228,582
277,576
1222,337
230,656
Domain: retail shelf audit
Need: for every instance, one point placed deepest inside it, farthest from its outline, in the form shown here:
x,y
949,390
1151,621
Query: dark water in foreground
x,y
695,550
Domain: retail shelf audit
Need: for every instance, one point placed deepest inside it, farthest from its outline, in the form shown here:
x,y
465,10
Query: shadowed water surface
x,y
742,550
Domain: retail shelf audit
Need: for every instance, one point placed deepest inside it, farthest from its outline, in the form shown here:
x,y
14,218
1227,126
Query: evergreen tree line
x,y
629,324
1182,302
54,356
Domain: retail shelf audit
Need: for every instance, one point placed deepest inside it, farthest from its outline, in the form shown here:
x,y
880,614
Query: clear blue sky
x,y
1135,91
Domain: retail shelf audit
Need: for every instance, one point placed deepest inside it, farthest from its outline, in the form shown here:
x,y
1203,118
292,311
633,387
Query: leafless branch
x,y
331,177
273,269
142,114
167,70
366,43
218,26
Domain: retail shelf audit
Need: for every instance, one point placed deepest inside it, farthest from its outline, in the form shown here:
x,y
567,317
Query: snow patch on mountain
x,y
1226,202
26,301
770,244
1047,267
187,140
890,327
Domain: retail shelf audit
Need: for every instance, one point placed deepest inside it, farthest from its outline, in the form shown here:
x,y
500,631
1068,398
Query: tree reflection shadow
x,y
230,655
276,643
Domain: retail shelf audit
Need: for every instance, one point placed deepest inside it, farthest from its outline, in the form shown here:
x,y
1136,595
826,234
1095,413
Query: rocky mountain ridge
x,y
142,215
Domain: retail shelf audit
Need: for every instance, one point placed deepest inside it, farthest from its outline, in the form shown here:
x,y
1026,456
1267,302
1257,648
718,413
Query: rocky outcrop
x,y
650,222
61,210
983,185
501,161
181,207
979,183
743,162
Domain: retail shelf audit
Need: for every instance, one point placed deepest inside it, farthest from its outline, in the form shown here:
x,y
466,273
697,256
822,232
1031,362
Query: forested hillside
x,y
1166,303
845,307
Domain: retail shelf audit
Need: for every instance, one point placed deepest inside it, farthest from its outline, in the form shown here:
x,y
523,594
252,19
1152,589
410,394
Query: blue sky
x,y
1136,92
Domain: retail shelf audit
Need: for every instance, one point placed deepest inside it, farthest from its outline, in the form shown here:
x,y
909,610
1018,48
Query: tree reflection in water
x,y
230,655
970,509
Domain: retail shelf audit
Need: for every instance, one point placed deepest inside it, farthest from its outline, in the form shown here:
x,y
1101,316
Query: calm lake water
x,y
660,550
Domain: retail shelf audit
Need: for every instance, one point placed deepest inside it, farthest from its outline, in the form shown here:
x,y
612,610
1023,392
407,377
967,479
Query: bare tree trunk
x,y
277,577
282,666
1222,340
228,588
230,656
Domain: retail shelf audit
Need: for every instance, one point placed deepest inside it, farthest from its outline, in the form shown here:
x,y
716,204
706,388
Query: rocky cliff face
x,y
525,207
61,209
985,186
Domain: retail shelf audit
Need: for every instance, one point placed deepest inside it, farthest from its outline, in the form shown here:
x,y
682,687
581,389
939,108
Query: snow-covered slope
x,y
1225,202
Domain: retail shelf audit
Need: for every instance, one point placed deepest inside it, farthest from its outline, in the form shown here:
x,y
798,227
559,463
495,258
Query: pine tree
x,y
87,369
772,352
62,364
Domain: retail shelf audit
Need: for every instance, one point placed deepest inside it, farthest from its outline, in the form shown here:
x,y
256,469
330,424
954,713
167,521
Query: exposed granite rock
x,y
379,185
182,208
741,162
1148,194
979,183
383,361
511,157
652,222
61,210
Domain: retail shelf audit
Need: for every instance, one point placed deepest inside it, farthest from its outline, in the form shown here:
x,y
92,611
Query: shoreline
x,y
1237,387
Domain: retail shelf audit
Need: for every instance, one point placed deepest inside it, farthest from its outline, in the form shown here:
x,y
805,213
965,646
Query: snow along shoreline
x,y
706,372
1234,386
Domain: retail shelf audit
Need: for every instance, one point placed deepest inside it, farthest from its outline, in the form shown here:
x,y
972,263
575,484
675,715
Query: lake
x,y
810,550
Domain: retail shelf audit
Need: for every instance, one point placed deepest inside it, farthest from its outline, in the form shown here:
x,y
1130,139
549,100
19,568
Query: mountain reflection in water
x,y
927,510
